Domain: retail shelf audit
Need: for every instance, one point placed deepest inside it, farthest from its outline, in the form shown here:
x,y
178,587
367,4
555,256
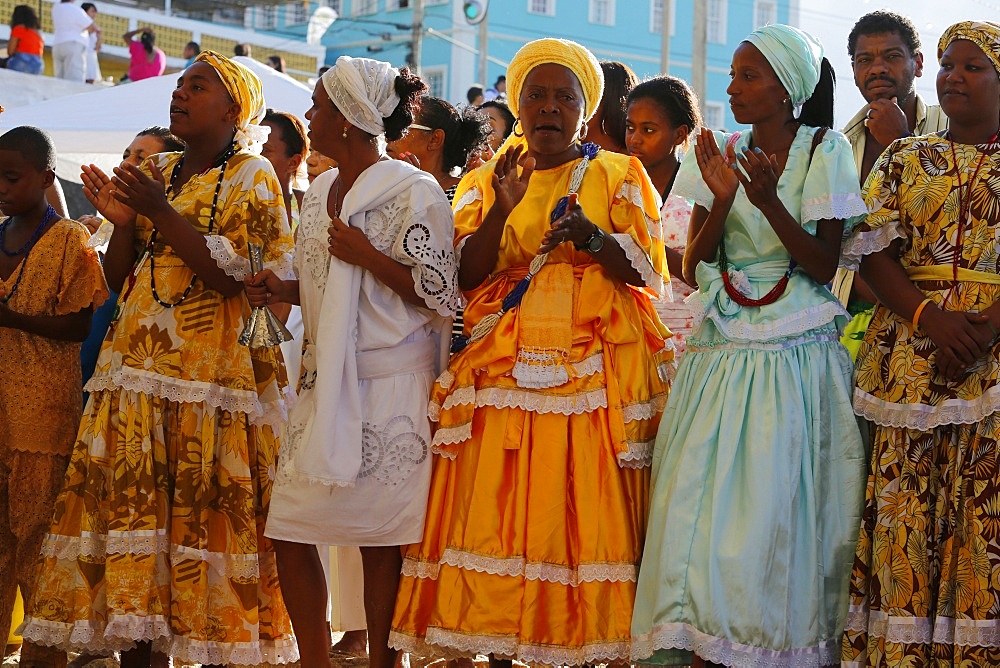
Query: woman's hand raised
x,y
508,187
718,174
761,180
100,192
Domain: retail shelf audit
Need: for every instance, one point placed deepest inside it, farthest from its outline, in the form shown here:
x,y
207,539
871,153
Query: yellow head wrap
x,y
984,34
246,90
578,59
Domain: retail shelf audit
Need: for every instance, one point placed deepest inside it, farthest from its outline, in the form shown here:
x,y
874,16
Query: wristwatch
x,y
595,242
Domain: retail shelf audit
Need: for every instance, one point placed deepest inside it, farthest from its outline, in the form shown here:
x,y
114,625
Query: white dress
x,y
398,354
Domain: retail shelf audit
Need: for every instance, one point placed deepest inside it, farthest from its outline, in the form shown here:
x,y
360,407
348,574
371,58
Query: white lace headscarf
x,y
364,91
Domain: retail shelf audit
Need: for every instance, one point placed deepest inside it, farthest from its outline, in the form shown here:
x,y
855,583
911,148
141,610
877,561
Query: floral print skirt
x,y
158,536
925,589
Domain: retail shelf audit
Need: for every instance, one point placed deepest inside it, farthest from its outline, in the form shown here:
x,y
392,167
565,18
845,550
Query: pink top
x,y
140,66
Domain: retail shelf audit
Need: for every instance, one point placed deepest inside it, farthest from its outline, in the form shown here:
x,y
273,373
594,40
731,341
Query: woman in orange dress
x,y
537,507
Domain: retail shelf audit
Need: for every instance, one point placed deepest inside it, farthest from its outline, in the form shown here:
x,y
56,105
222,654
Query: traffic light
x,y
475,10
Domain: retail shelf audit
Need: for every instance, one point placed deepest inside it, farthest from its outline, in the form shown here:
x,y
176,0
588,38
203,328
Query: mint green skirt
x,y
757,488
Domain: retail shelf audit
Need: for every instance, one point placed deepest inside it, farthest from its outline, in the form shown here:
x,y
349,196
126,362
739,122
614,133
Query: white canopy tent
x,y
96,126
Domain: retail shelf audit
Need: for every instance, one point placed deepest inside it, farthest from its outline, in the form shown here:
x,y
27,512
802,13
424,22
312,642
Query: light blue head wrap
x,y
796,57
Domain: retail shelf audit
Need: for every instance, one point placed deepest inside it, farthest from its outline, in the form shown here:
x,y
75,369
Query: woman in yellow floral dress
x,y
157,543
925,590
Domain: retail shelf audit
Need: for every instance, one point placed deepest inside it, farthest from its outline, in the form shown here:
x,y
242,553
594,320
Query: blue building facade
x,y
623,30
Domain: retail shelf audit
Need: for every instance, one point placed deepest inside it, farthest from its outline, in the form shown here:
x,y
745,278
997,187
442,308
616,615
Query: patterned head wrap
x,y
984,34
246,90
563,52
795,56
364,90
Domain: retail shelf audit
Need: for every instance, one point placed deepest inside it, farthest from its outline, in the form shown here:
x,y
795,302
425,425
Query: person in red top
x,y
25,45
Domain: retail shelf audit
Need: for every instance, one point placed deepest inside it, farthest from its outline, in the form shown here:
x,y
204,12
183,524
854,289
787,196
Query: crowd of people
x,y
77,41
713,398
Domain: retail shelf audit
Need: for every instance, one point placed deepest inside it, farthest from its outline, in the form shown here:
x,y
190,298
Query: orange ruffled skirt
x,y
538,502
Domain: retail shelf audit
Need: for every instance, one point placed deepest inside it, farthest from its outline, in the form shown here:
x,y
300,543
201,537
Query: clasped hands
x,y
723,175
573,226
129,192
962,339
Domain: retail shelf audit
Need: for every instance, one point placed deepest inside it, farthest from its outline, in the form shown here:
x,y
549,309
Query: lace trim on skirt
x,y
122,632
146,542
924,417
272,413
720,650
923,631
452,644
521,567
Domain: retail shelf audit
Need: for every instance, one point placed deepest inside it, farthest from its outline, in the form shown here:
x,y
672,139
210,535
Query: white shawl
x,y
329,449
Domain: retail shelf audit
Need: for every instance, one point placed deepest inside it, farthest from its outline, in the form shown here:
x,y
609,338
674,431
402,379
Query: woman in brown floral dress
x,y
925,590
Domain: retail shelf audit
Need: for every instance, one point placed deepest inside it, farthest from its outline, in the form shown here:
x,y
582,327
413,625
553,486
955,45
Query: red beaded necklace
x,y
964,206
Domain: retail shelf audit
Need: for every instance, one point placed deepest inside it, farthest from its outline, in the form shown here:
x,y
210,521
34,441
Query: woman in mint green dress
x,y
758,468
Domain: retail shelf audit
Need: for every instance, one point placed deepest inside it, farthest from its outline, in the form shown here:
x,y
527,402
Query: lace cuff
x,y
431,285
640,261
631,193
639,455
102,236
468,197
836,206
225,256
867,242
283,267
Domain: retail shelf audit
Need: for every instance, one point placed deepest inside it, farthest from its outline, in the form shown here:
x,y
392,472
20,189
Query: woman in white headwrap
x,y
758,468
376,280
157,544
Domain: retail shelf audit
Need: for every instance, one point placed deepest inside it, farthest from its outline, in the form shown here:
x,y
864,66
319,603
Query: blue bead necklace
x,y
50,215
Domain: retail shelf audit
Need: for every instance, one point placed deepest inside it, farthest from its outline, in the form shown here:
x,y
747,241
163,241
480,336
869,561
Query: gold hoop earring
x,y
517,126
584,129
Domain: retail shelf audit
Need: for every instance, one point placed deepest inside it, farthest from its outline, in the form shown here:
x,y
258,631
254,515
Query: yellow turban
x,y
564,52
246,90
984,34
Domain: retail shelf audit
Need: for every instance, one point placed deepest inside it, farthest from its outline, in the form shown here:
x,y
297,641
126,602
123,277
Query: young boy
x,y
50,281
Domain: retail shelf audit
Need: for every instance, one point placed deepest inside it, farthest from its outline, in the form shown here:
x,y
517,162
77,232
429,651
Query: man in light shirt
x,y
886,59
71,28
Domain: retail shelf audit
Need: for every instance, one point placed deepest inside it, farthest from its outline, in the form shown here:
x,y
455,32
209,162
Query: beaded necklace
x,y
172,194
50,215
964,206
